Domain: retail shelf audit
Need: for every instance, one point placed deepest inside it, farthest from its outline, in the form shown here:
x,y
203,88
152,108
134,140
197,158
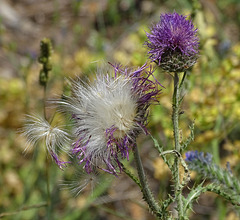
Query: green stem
x,y
48,187
47,158
175,113
25,208
175,119
44,101
147,194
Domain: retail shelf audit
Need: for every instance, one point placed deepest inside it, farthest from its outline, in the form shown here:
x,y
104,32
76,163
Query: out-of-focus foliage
x,y
85,35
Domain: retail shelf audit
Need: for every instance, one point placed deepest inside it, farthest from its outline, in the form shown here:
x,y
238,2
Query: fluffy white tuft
x,y
80,182
107,103
37,128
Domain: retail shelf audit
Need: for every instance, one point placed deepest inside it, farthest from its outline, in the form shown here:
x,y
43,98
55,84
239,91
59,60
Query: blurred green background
x,y
86,34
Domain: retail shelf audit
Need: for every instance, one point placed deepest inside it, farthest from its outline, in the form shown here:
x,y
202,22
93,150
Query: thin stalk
x,y
48,187
175,119
44,101
45,60
47,158
147,194
24,208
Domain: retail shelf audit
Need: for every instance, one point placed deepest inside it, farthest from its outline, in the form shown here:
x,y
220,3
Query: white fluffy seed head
x,y
109,114
37,128
114,104
109,102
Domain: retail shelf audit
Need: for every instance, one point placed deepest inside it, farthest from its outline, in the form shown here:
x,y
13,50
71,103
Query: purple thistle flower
x,y
109,114
173,43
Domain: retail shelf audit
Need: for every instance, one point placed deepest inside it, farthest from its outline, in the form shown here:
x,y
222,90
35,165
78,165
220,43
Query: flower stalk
x,y
48,187
177,146
147,194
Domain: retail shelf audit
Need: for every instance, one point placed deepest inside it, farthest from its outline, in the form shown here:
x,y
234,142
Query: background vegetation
x,y
86,34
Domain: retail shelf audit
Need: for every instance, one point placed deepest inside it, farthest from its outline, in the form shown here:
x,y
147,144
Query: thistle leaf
x,y
190,137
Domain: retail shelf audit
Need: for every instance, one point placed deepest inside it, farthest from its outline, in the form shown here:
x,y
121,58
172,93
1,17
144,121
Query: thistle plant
x,y
108,114
173,45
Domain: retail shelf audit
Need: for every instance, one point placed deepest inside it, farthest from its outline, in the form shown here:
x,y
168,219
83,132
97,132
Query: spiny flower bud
x,y
173,43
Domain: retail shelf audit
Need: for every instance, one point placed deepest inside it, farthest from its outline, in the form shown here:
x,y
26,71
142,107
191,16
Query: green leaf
x,y
192,196
190,137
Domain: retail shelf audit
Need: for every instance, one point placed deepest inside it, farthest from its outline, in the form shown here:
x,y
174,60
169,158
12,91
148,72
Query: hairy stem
x,y
147,194
177,146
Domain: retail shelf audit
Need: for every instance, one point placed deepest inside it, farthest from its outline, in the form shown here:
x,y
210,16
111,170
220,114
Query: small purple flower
x,y
109,114
173,43
206,168
195,156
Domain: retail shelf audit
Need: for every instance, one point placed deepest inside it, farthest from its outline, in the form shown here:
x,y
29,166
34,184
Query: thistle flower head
x,y
173,43
37,128
109,114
